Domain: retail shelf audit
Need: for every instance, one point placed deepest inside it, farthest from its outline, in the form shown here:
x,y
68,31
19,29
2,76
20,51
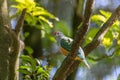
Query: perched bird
x,y
65,44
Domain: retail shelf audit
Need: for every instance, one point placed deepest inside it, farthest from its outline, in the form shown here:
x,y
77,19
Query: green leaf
x,y
31,20
106,42
29,4
24,71
105,13
98,19
28,59
26,34
35,13
25,67
115,26
92,32
42,73
43,13
40,70
29,49
108,38
46,20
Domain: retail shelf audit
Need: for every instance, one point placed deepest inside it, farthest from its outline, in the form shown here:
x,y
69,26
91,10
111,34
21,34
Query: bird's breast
x,y
65,52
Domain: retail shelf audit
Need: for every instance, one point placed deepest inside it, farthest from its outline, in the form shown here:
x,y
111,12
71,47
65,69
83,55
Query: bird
x,y
65,45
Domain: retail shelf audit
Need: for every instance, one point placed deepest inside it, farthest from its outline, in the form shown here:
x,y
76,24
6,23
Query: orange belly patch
x,y
65,52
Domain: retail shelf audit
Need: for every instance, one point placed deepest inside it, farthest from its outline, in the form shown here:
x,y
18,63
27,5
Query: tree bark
x,y
4,41
9,44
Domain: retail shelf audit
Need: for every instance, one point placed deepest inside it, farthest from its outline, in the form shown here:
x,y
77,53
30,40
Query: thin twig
x,y
20,22
104,56
100,58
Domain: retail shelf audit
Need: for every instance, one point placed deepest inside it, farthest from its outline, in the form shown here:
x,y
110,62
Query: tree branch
x,y
96,41
15,46
65,68
20,22
99,36
104,56
100,58
84,27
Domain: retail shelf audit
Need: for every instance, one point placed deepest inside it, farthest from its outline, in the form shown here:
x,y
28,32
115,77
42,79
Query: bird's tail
x,y
84,61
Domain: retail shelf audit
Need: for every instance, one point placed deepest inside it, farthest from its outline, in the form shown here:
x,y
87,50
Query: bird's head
x,y
58,34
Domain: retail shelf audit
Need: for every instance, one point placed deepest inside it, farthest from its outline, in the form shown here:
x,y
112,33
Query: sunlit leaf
x,y
115,27
37,8
25,67
42,73
46,20
40,70
43,13
105,13
106,41
28,68
42,33
20,1
35,13
29,4
118,42
115,34
92,32
98,17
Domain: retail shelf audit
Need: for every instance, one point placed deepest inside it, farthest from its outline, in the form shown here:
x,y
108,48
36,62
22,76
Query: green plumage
x,y
66,44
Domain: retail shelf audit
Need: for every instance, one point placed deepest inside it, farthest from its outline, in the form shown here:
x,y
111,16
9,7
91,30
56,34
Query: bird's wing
x,y
66,43
81,53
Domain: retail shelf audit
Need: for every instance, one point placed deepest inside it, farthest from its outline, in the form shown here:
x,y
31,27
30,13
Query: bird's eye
x,y
56,33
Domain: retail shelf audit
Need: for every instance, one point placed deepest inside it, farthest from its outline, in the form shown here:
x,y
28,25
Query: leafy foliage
x,y
114,31
34,10
32,69
39,18
110,43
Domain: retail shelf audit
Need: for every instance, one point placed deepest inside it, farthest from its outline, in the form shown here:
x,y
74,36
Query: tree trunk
x,y
4,41
9,46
